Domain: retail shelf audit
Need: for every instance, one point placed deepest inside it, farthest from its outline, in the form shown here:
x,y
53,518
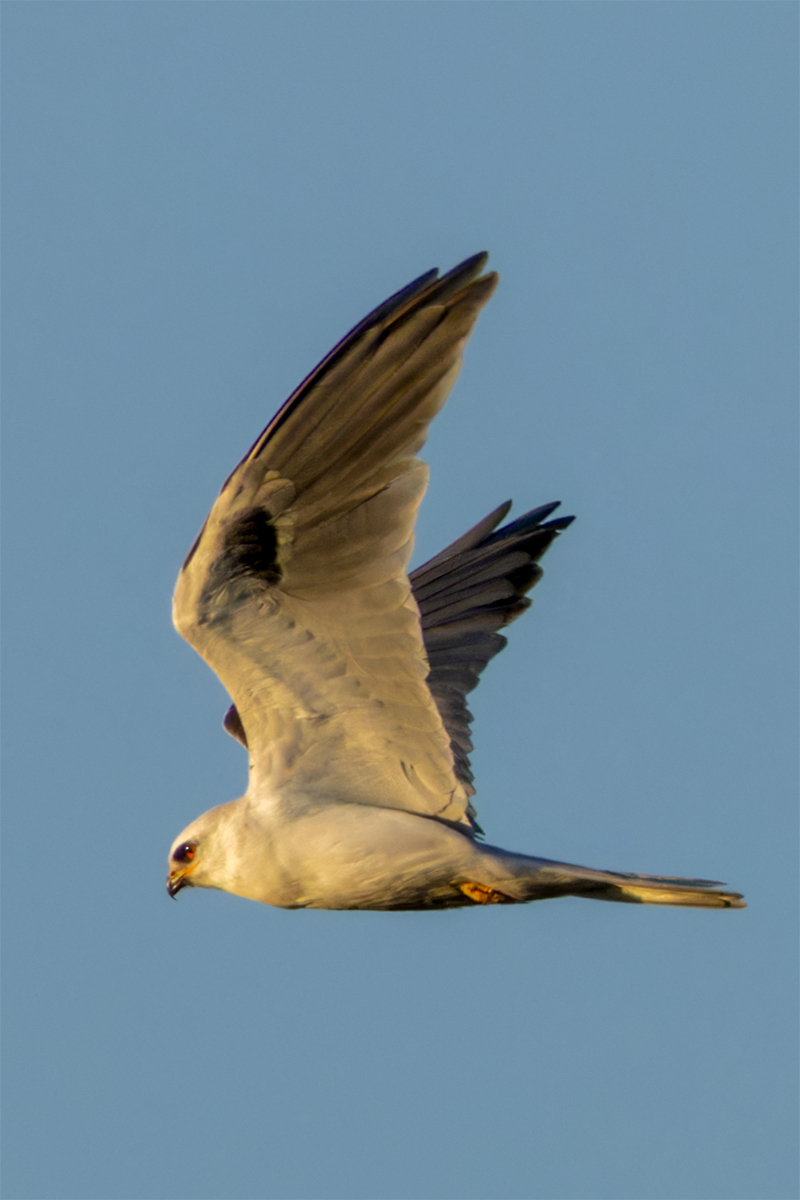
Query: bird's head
x,y
182,862
198,857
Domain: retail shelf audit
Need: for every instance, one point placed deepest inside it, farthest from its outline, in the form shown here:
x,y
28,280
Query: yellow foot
x,y
484,895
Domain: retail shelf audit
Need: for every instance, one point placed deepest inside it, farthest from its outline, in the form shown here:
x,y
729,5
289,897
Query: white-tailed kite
x,y
348,676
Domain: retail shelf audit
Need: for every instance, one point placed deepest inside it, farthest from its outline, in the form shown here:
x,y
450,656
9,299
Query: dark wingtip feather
x,y
396,300
478,533
475,262
559,523
529,521
426,288
462,279
465,595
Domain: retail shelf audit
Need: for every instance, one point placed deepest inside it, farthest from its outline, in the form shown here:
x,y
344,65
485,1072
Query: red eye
x,y
185,853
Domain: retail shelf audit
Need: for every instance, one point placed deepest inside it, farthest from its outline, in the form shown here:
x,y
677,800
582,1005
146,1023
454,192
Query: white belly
x,y
356,856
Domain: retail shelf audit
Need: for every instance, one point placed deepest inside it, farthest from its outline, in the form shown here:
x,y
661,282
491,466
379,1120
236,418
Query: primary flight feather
x,y
349,676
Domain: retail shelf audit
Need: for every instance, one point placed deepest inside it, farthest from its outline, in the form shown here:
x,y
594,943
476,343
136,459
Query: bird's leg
x,y
484,895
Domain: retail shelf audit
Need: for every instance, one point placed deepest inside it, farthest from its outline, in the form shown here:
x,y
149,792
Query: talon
x,y
484,895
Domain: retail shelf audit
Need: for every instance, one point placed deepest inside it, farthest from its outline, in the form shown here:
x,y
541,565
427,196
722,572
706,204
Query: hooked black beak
x,y
175,883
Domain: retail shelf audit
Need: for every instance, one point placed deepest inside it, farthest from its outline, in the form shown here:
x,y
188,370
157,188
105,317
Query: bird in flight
x,y
348,675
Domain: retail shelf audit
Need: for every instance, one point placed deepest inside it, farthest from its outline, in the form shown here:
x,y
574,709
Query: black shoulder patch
x,y
251,547
250,551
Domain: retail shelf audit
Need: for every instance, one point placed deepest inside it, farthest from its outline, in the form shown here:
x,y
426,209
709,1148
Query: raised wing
x,y
296,593
465,594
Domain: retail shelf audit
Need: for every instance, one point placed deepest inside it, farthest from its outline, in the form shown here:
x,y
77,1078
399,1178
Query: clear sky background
x,y
199,200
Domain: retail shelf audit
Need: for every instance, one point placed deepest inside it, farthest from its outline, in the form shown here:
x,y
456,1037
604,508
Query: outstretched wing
x,y
465,595
296,593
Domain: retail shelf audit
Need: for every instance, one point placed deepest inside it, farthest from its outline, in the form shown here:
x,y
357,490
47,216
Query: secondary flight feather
x,y
348,676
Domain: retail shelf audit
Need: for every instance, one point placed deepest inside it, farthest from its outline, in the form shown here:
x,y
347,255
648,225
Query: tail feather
x,y
539,879
666,889
689,897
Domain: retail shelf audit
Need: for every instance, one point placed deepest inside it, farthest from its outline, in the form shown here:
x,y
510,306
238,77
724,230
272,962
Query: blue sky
x,y
199,200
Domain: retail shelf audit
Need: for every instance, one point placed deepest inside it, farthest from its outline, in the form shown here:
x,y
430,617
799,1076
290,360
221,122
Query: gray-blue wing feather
x,y
465,595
